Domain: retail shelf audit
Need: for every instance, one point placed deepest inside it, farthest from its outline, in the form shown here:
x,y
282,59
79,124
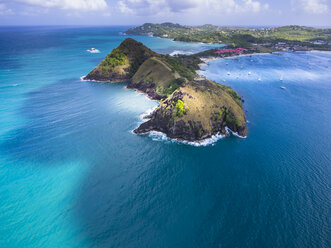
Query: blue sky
x,y
191,12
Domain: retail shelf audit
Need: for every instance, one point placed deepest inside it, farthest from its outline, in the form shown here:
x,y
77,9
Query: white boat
x,y
93,50
249,73
281,78
229,73
283,87
259,79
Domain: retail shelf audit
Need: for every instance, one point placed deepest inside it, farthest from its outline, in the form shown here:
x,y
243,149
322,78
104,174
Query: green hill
x,y
156,78
122,63
197,110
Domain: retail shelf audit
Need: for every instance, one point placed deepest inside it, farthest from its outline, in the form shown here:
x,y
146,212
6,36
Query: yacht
x,y
93,50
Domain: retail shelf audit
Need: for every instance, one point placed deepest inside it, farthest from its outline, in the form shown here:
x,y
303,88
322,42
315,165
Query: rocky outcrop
x,y
195,111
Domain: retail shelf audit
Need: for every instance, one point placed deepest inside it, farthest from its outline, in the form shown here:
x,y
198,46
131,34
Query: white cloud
x,y
315,6
233,6
123,7
165,6
143,7
4,10
266,6
68,4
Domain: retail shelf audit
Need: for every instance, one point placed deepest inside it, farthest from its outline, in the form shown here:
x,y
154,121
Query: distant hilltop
x,y
305,38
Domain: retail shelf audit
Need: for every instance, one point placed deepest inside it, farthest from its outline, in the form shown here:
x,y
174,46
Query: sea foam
x,y
177,52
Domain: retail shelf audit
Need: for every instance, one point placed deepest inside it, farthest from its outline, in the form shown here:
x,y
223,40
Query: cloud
x,y
145,7
232,6
315,6
68,4
4,10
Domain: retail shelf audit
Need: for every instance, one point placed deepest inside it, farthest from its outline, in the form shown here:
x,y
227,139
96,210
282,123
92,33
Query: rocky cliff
x,y
195,111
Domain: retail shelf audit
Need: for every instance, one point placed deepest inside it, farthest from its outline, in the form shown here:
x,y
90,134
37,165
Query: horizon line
x,y
137,25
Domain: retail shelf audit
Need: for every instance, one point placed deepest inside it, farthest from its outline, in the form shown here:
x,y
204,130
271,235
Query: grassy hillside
x,y
122,63
197,110
157,78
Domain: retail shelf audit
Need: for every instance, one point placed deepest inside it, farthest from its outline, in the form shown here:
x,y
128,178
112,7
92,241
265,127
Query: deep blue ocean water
x,y
72,174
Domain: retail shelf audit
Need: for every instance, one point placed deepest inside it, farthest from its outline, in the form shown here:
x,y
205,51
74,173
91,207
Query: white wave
x,y
206,142
176,52
144,115
91,80
228,130
159,136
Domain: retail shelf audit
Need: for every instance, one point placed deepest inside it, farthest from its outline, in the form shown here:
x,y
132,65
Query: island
x,y
191,108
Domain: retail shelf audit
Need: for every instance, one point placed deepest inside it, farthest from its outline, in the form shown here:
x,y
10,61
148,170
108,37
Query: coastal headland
x,y
191,108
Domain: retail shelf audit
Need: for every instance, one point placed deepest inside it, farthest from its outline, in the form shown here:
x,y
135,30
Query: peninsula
x,y
191,108
268,39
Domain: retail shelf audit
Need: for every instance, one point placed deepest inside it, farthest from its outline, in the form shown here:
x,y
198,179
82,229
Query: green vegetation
x,y
232,93
170,87
123,62
311,38
184,65
137,53
299,33
181,109
115,58
156,76
219,115
230,119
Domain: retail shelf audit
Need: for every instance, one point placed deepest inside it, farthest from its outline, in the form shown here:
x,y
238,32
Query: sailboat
x,y
93,50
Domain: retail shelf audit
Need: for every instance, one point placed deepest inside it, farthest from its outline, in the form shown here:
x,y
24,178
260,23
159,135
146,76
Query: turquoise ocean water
x,y
72,173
